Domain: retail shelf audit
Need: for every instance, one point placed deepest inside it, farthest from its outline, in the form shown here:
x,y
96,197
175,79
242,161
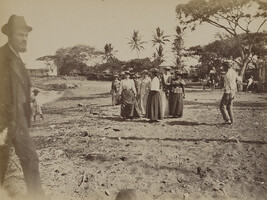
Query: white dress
x,y
164,98
144,92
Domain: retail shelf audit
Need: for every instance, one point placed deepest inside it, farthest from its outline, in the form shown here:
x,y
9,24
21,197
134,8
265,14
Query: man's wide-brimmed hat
x,y
36,91
15,23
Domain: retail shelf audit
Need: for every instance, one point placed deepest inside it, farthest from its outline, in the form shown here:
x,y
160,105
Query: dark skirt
x,y
154,106
176,103
129,107
115,98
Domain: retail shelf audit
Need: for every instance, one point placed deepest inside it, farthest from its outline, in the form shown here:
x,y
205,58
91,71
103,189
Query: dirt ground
x,y
87,152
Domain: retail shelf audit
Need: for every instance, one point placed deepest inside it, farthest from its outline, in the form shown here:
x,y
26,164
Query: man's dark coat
x,y
14,92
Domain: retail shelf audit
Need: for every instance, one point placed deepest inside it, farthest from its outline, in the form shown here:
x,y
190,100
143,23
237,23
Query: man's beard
x,y
22,48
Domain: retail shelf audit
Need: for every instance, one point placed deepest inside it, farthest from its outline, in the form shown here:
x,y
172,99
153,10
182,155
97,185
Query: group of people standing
x,y
152,94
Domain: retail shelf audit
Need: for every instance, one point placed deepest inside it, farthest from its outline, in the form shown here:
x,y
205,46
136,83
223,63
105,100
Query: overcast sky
x,y
62,23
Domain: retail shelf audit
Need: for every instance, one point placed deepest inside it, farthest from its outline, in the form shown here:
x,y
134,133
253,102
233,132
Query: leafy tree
x,y
136,42
213,54
108,53
49,62
74,58
232,16
138,65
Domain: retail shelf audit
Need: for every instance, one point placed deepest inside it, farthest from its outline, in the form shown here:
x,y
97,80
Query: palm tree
x,y
108,53
178,46
159,37
136,43
159,55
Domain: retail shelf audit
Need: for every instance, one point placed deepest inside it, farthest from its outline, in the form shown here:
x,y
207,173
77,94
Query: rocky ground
x,y
87,152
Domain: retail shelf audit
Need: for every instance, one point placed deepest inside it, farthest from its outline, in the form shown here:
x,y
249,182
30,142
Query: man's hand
x,y
3,137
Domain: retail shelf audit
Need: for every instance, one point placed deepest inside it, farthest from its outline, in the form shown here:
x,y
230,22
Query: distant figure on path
x,y
15,107
230,89
129,107
250,82
154,104
36,106
115,90
212,81
177,94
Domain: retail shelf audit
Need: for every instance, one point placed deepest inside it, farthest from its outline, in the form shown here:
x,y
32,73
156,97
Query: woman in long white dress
x,y
144,91
164,91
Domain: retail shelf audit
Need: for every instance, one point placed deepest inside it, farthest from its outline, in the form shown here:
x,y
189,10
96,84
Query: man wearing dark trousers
x,y
230,89
15,109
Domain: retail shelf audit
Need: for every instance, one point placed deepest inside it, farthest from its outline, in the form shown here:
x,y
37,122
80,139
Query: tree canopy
x,y
233,16
214,53
74,58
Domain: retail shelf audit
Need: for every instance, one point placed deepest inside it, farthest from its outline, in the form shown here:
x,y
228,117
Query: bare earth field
x,y
87,152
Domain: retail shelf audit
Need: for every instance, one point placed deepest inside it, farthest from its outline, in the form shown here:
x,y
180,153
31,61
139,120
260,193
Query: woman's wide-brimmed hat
x,y
15,23
136,76
154,71
144,72
167,68
127,72
179,72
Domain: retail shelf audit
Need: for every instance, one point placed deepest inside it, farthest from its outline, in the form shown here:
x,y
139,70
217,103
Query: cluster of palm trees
x,y
159,41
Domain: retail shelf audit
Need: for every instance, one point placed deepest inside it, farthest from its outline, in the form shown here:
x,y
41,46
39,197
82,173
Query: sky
x,y
63,23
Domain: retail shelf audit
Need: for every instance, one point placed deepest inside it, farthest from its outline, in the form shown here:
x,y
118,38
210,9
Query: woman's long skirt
x,y
143,102
115,98
176,104
129,107
165,103
154,106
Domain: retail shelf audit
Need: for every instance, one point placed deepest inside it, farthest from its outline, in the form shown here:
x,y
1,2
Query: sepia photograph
x,y
133,99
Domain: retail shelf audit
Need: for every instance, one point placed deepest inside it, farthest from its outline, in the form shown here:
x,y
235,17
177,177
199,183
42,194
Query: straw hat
x,y
145,72
179,72
154,71
167,68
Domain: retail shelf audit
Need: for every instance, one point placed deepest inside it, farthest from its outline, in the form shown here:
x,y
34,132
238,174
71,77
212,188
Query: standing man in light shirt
x,y
230,89
15,108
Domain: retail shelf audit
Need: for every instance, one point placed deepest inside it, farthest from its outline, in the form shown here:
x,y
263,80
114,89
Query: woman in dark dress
x,y
129,107
177,94
154,104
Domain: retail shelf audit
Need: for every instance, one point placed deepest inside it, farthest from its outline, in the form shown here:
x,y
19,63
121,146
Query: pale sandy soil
x,y
87,152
